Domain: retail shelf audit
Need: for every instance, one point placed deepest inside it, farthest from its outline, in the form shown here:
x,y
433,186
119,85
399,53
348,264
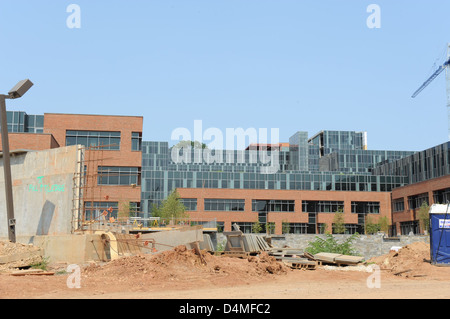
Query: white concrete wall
x,y
42,191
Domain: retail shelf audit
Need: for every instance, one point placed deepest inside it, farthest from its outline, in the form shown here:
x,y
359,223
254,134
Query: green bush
x,y
331,245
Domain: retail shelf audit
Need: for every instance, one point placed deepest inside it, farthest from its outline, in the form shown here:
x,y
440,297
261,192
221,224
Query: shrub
x,y
331,245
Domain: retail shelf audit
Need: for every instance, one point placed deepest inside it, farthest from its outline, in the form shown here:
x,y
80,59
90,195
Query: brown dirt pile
x,y
410,261
182,264
8,248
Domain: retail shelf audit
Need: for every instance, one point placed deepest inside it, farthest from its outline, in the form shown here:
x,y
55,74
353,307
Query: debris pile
x,y
181,264
16,255
411,261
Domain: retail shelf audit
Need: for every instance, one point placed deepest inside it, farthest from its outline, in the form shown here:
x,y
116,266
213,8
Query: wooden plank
x,y
327,257
292,259
32,272
308,255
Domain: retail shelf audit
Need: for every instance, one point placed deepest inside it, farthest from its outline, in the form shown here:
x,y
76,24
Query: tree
x,y
371,227
193,144
286,227
329,244
170,208
127,209
384,224
256,227
338,223
424,217
271,227
323,228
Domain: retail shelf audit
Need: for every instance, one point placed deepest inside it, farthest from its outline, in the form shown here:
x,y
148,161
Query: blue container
x,y
440,235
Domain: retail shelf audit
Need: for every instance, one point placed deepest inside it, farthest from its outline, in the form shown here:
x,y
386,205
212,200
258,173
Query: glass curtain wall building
x,y
298,168
421,166
21,122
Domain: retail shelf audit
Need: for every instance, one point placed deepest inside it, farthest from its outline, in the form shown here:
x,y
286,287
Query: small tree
x,y
286,227
193,144
424,217
256,227
338,223
371,227
384,224
271,227
331,245
323,228
124,212
170,208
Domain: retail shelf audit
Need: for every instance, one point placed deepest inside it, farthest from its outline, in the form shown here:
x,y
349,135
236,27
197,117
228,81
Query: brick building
x,y
112,157
314,179
428,174
301,211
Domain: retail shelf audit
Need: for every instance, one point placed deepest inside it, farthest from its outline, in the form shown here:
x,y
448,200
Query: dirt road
x,y
181,274
296,284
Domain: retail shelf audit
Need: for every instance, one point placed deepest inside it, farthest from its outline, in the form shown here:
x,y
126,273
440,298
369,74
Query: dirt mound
x,y
20,255
182,264
411,261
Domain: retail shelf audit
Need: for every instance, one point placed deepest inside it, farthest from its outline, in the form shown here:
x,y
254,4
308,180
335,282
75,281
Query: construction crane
x,y
443,67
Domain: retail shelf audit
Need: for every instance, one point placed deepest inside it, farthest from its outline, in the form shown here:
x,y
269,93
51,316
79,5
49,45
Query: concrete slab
x,y
20,256
167,240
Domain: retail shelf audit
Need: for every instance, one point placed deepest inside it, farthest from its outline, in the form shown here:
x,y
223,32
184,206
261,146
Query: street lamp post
x,y
16,92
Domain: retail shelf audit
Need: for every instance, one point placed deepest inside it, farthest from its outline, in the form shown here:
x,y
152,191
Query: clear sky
x,y
287,64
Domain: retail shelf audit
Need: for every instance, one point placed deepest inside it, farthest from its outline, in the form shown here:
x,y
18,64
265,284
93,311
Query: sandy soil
x,y
181,274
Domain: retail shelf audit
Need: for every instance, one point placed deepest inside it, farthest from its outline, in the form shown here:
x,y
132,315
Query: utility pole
x,y
7,171
16,92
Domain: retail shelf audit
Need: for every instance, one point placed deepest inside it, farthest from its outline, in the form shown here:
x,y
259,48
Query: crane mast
x,y
443,67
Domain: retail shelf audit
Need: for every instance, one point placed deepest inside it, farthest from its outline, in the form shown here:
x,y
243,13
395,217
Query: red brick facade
x,y
427,187
58,124
31,141
298,216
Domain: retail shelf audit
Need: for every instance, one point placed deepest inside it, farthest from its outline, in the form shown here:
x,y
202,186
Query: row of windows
x,y
322,206
114,175
282,206
190,204
441,196
398,205
414,202
224,205
300,228
109,141
366,207
273,205
94,210
237,184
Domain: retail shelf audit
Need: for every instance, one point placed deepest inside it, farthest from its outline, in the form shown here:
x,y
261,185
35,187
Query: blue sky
x,y
287,64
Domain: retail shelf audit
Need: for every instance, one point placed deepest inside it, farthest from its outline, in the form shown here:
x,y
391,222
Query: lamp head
x,y
20,89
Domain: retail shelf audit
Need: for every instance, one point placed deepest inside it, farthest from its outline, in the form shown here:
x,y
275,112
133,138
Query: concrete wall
x,y
42,190
71,249
167,240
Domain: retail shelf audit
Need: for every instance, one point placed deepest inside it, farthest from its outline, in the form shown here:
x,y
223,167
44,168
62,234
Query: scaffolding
x,y
88,192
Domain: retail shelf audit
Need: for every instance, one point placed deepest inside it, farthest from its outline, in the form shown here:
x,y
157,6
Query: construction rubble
x,y
249,255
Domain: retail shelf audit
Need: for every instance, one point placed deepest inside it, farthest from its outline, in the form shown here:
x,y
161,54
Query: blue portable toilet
x,y
440,234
